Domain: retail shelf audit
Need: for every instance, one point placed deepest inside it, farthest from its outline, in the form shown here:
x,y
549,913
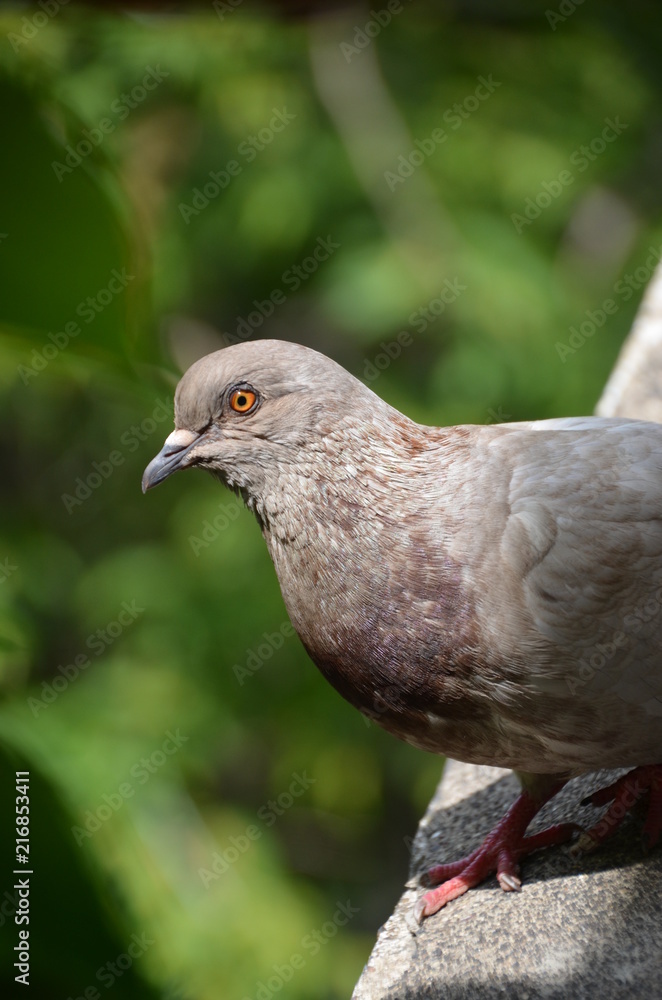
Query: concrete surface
x,y
580,929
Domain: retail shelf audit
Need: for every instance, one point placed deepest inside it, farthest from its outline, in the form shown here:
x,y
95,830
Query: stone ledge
x,y
580,929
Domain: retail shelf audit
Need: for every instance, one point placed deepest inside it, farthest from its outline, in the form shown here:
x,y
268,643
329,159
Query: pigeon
x,y
487,593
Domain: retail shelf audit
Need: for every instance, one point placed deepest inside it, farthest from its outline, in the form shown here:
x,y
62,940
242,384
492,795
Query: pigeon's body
x,y
493,594
490,593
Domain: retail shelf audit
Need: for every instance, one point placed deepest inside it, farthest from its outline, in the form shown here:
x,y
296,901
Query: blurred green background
x,y
202,801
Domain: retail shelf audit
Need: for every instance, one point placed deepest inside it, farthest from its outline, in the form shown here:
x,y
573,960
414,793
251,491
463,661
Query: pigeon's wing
x,y
581,564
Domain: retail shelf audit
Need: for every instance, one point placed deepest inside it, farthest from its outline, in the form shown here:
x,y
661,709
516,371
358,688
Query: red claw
x,y
500,851
506,844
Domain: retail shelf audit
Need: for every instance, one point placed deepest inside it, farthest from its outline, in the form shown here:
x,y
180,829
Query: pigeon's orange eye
x,y
242,400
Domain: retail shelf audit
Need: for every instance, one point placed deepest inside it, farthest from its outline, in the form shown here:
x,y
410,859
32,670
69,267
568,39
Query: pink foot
x,y
622,796
500,852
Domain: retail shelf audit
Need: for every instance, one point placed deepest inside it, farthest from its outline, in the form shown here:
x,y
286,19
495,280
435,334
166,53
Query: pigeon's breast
x,y
397,637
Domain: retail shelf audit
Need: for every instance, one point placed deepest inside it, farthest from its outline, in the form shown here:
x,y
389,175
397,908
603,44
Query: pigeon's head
x,y
252,409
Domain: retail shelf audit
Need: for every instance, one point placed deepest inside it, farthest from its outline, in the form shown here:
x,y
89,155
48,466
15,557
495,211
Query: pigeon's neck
x,y
331,518
341,485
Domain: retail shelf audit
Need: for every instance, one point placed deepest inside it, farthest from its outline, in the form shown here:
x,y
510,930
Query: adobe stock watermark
x,y
120,109
112,802
8,907
595,319
389,353
385,699
292,278
267,815
588,668
223,7
103,470
311,944
454,117
108,974
581,158
626,793
7,568
565,10
97,643
213,527
248,150
633,686
497,416
32,24
256,658
365,35
87,310
420,319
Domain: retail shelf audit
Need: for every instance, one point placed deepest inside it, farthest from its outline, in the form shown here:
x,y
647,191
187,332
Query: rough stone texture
x,y
634,388
581,929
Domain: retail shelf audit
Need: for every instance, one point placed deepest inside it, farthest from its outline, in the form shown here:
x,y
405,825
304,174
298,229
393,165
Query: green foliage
x,y
143,660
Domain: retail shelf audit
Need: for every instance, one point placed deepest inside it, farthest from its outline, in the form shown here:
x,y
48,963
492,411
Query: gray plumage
x,y
490,593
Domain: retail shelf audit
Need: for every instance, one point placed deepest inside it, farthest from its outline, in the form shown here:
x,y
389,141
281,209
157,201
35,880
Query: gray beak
x,y
172,457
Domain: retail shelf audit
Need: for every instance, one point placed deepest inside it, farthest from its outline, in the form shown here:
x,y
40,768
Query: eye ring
x,y
243,400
